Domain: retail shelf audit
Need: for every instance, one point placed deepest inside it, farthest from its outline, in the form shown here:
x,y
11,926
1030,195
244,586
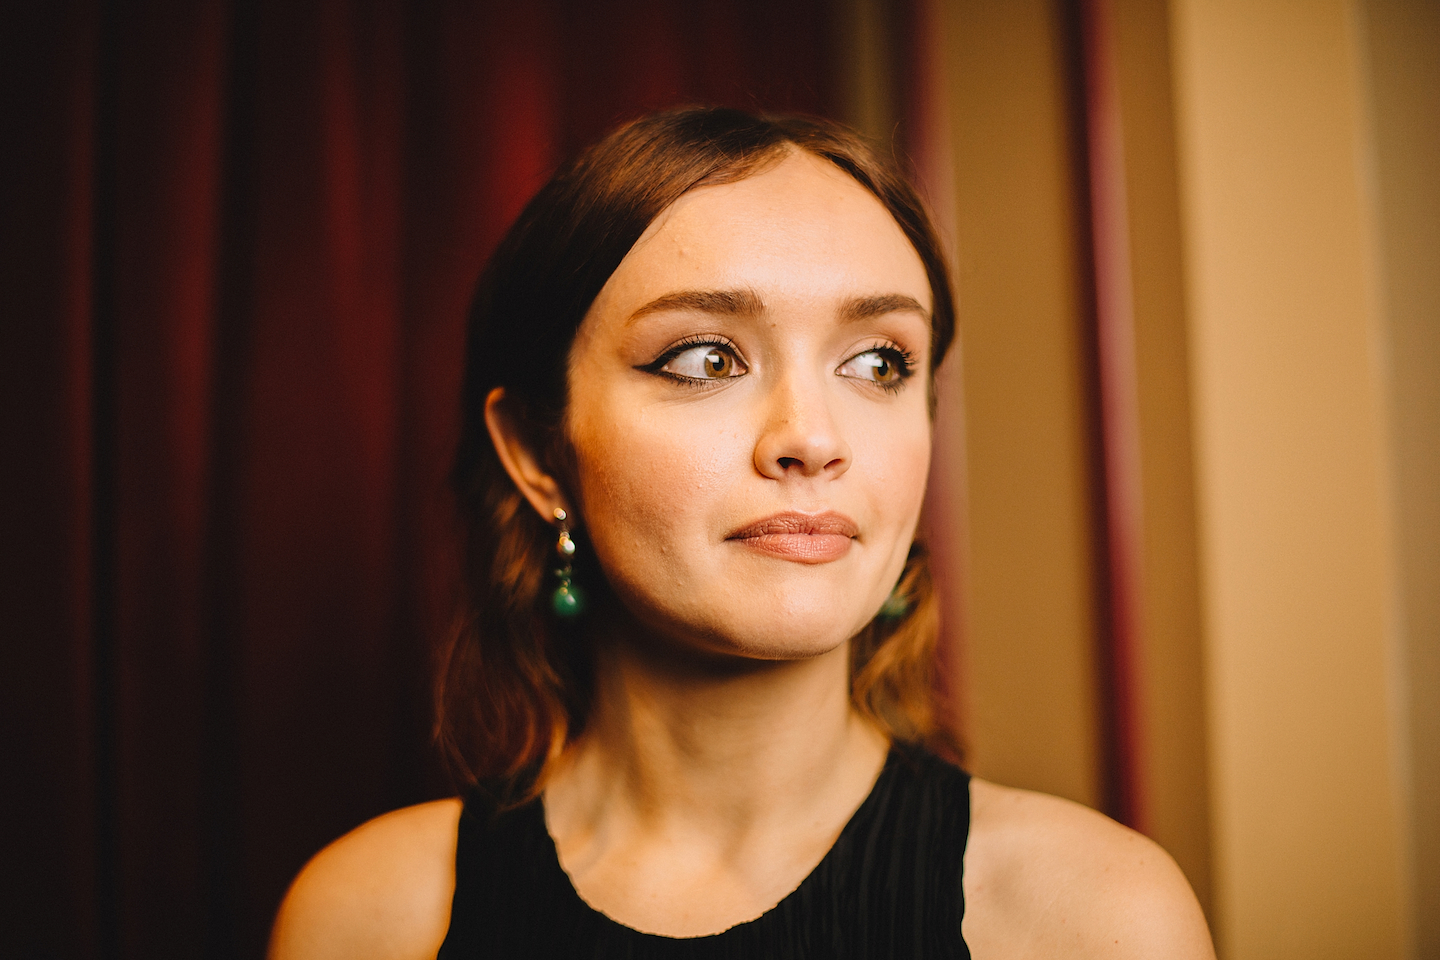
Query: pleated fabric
x,y
891,886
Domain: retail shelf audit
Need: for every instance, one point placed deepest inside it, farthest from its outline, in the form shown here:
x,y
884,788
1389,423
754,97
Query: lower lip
x,y
800,547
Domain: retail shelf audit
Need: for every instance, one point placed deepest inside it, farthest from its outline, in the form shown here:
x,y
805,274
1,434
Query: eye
x,y
888,367
701,361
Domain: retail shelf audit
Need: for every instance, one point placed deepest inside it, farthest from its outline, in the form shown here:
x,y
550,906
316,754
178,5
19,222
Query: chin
x,y
774,617
776,631
785,647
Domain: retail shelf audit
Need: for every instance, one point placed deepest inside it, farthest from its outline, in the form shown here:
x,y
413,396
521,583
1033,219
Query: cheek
x,y
645,483
910,465
893,456
895,495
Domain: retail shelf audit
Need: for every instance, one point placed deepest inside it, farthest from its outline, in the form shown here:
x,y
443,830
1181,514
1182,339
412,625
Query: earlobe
x,y
518,457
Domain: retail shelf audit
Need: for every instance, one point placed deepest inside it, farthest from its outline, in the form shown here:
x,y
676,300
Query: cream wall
x,y
1291,433
1403,41
1171,688
1030,632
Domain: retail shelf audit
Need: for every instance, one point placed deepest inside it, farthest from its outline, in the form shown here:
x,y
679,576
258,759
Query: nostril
x,y
787,462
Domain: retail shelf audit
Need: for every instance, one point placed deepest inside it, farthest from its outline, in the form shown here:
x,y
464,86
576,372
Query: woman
x,y
691,685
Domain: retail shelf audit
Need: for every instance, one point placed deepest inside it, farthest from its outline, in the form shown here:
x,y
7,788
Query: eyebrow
x,y
863,308
743,303
746,303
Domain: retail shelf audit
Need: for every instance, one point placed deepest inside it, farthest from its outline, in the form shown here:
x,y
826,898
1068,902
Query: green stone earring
x,y
895,606
568,600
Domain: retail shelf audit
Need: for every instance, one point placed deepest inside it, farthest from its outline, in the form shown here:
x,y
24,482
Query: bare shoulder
x,y
1048,877
381,892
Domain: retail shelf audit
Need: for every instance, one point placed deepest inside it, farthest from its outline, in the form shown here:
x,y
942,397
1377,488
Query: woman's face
x,y
748,413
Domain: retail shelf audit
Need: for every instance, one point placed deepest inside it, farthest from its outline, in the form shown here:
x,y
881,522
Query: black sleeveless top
x,y
889,887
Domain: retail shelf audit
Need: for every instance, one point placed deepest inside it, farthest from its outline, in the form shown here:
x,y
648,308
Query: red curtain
x,y
238,241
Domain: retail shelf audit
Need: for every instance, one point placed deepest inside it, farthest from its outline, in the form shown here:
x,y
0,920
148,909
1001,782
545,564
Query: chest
x,y
890,886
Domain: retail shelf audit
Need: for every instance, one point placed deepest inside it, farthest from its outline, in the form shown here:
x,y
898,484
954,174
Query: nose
x,y
801,437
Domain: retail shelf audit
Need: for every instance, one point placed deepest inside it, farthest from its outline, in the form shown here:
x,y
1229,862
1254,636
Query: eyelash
x,y
689,343
903,359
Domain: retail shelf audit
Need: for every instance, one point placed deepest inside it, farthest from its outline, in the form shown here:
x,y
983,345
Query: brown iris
x,y
719,364
885,371
877,367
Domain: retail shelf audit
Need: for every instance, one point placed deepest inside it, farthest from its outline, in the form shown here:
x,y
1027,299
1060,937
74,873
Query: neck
x,y
727,747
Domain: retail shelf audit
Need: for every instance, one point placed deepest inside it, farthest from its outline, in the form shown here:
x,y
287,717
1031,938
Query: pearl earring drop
x,y
568,600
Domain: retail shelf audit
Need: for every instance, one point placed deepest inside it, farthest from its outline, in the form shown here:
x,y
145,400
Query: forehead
x,y
801,227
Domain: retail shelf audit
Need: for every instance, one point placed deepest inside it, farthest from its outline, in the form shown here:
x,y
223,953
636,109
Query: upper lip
x,y
792,521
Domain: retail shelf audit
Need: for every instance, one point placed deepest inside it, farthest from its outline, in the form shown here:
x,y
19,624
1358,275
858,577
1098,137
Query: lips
x,y
800,537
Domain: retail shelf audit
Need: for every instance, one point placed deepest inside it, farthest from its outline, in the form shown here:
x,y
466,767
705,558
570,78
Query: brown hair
x,y
514,683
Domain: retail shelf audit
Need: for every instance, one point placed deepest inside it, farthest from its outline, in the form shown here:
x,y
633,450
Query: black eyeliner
x,y
689,343
905,363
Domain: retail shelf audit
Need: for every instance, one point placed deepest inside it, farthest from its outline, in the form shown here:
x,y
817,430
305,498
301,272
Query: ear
x,y
519,458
